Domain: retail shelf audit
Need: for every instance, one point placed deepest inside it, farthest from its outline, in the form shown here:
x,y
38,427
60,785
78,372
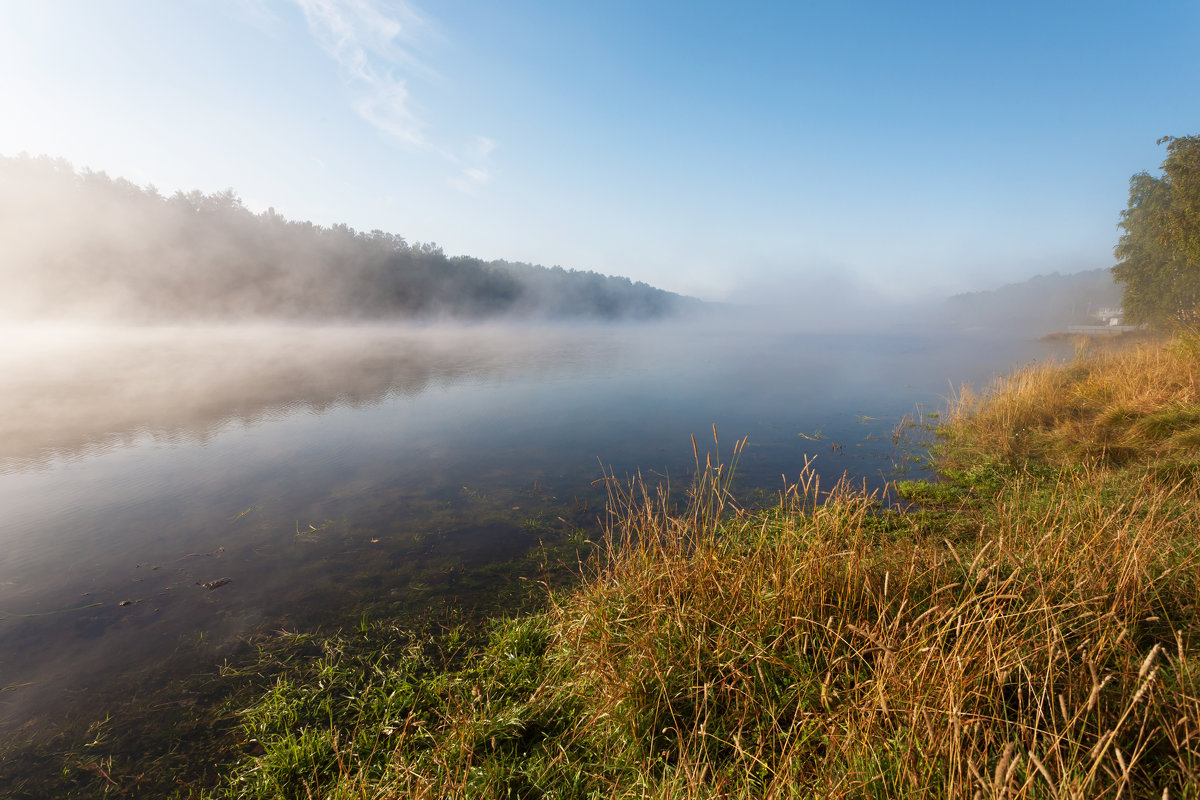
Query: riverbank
x,y
1027,628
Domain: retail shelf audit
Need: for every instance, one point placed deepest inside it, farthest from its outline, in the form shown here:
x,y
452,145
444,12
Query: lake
x,y
167,493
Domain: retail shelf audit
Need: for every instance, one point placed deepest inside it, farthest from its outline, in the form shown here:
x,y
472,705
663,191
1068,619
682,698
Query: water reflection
x,y
77,391
325,470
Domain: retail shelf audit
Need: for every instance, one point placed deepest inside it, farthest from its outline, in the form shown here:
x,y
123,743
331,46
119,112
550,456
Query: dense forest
x,y
82,245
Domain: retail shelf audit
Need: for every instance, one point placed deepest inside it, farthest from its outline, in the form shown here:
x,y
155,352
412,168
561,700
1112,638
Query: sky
x,y
756,150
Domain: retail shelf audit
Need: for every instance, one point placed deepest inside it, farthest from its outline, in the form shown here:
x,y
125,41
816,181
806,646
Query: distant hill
x,y
1040,305
84,245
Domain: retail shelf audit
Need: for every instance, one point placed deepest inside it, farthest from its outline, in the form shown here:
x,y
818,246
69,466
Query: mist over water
x,y
215,425
78,389
327,468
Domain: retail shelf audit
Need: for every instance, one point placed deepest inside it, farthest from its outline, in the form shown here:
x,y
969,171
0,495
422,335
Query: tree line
x,y
1158,254
82,244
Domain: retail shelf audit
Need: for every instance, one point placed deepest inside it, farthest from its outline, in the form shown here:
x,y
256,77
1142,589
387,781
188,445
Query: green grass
x,y
1029,628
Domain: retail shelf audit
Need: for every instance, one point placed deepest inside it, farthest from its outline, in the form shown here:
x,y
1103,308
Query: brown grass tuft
x,y
1031,634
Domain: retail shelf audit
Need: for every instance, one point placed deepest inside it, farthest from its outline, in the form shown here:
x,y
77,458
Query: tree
x,y
1159,250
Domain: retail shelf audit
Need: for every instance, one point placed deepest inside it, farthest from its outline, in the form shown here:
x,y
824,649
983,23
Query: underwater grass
x,y
1030,631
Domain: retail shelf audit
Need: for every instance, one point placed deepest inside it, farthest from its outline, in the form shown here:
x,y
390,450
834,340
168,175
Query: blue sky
x,y
732,151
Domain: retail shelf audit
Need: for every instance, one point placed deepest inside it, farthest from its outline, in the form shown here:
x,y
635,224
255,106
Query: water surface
x,y
326,470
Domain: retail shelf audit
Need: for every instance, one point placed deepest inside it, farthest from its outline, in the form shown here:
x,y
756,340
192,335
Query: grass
x,y
1028,629
1138,405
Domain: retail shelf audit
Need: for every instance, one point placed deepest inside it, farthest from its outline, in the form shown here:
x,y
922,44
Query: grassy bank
x,y
1027,628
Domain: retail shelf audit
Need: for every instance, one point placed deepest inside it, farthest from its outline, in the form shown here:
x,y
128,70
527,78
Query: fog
x,y
187,384
127,314
83,246
74,389
833,303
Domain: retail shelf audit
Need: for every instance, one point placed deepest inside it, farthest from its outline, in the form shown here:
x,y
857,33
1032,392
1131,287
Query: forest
x,y
78,244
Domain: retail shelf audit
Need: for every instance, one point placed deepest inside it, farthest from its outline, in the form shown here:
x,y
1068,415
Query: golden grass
x,y
1031,635
1140,403
809,652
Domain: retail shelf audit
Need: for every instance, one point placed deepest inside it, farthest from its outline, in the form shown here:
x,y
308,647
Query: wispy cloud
x,y
483,146
373,47
473,178
374,43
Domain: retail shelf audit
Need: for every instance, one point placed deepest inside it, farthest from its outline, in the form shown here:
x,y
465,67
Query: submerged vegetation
x,y
1026,627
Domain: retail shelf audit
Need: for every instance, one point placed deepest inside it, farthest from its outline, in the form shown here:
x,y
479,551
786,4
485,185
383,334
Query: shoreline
x,y
1028,626
687,657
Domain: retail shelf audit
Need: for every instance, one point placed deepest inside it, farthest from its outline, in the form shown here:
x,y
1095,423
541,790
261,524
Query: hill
x,y
79,244
1042,304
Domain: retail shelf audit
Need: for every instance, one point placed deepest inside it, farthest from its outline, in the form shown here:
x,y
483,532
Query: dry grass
x,y
823,651
1032,635
1139,404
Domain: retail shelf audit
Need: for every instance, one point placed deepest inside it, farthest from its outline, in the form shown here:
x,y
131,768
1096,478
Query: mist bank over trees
x,y
1043,304
82,245
1035,307
1156,280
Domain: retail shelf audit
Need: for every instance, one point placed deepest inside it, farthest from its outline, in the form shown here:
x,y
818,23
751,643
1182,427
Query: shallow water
x,y
327,470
